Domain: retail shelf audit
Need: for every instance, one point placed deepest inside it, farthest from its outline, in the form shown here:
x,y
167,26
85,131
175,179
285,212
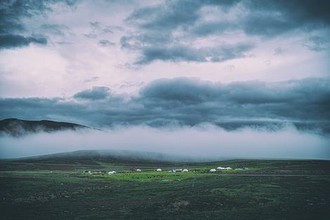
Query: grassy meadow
x,y
63,189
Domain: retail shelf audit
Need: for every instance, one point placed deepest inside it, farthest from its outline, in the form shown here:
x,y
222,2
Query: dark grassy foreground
x,y
267,190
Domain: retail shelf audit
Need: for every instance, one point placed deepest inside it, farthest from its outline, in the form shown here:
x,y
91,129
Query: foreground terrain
x,y
78,188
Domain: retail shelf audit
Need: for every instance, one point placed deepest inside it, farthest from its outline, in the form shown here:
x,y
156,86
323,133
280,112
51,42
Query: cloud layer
x,y
13,31
203,143
177,30
95,93
189,102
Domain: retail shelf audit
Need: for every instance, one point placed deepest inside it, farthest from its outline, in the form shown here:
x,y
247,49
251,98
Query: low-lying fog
x,y
199,143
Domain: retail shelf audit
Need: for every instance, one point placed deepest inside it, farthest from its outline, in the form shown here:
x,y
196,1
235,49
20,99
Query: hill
x,y
17,127
97,157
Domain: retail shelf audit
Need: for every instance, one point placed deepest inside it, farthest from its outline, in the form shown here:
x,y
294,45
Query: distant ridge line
x,y
19,127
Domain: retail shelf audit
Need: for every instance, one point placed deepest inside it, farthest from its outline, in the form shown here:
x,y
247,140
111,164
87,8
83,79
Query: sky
x,y
240,68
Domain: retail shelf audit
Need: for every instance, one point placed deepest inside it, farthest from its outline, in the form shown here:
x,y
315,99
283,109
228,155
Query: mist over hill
x,y
17,127
113,156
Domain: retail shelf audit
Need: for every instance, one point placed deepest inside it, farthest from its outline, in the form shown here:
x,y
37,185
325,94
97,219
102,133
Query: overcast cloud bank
x,y
189,102
172,31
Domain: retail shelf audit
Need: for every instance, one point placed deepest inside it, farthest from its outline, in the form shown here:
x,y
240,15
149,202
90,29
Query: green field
x,y
63,189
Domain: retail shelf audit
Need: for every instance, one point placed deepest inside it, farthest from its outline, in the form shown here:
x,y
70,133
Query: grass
x,y
267,190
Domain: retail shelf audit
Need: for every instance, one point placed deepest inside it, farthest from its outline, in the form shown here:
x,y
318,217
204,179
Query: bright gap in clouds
x,y
198,143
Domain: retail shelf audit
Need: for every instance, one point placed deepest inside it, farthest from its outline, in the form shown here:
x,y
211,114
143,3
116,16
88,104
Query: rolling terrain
x,y
78,186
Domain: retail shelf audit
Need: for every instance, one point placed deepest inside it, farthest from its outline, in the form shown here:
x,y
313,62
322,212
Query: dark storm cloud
x,y
9,41
272,18
156,37
307,11
12,29
92,110
37,107
95,93
262,17
173,14
191,102
185,53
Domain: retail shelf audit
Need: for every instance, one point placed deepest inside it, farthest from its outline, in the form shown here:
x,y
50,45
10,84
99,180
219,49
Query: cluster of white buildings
x,y
171,171
174,170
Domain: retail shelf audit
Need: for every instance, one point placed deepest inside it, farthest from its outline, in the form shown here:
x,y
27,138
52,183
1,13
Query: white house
x,y
159,170
138,170
112,172
185,170
213,170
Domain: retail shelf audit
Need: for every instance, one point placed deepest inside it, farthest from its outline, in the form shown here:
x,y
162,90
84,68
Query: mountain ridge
x,y
19,127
